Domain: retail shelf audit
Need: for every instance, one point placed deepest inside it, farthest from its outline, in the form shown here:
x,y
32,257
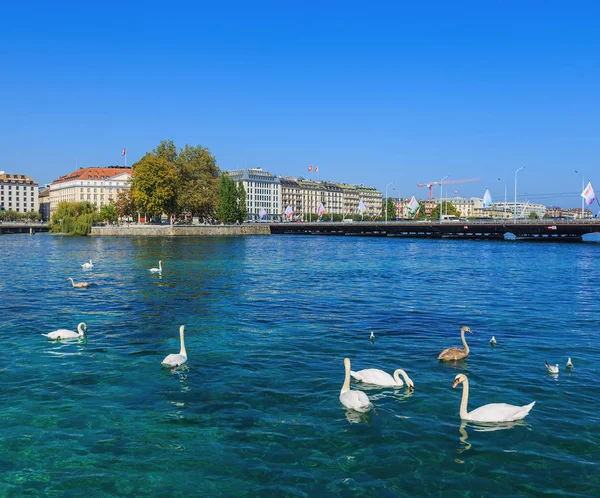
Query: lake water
x,y
269,321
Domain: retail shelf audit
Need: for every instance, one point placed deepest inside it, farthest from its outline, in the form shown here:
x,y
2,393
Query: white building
x,y
18,193
99,186
263,191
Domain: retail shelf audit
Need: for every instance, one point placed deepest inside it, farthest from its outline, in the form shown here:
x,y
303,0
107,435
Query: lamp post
x,y
504,197
515,206
582,187
386,199
442,195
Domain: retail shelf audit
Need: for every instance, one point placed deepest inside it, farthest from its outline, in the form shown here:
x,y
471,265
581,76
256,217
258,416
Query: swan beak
x,y
456,382
412,388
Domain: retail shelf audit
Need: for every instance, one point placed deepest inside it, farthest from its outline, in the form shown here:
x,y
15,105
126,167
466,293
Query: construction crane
x,y
430,185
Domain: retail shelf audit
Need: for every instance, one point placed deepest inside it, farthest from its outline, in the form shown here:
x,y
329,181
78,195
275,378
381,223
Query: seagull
x,y
552,369
493,341
569,364
372,338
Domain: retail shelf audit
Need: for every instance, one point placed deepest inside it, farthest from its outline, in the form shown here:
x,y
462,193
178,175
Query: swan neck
x,y
346,386
159,266
464,341
397,374
465,399
182,351
80,328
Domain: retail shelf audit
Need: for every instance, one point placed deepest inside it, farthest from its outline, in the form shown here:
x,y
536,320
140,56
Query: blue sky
x,y
372,93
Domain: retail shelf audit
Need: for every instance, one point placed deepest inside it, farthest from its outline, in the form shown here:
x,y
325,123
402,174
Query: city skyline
x,y
371,95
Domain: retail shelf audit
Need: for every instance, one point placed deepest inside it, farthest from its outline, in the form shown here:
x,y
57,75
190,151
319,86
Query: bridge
x,y
536,230
7,227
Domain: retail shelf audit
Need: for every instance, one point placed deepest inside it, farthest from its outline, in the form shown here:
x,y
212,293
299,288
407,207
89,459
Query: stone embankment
x,y
181,230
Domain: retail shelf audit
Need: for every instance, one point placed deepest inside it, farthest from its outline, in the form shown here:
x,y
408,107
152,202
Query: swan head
x,y
458,379
82,327
464,328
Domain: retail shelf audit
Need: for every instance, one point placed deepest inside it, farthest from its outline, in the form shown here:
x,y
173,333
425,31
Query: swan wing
x,y
376,377
356,400
174,360
452,354
62,334
499,412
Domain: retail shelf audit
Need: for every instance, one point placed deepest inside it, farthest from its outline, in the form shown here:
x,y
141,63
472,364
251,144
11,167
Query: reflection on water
x,y
355,417
483,427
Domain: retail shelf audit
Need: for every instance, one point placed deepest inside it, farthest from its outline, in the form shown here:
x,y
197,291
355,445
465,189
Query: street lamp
x,y
515,206
504,197
386,199
582,187
442,195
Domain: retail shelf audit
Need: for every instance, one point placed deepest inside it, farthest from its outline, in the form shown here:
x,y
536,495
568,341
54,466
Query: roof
x,y
18,179
101,173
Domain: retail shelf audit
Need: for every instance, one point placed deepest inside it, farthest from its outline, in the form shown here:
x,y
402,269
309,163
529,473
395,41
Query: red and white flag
x,y
310,168
124,153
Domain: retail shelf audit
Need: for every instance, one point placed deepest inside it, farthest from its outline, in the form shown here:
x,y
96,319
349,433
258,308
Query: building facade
x,y
263,192
99,186
18,193
291,195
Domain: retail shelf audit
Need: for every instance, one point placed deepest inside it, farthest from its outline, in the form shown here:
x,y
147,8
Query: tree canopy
x,y
447,208
228,211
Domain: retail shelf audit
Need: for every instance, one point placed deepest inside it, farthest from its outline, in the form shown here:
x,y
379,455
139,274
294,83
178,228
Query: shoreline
x,y
181,230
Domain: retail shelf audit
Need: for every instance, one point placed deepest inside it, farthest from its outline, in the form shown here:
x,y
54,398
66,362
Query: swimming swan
x,y
355,400
494,412
67,334
175,360
79,285
456,353
156,270
86,266
552,369
380,378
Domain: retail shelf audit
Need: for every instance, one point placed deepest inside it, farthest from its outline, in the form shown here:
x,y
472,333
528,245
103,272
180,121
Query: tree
x,y
447,208
197,181
74,218
108,213
155,181
227,211
534,216
125,203
390,206
241,202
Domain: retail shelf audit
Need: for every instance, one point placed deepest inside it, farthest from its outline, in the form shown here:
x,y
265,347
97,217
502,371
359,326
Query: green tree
x,y
390,207
108,213
125,204
197,180
74,218
227,211
154,184
241,202
534,216
447,208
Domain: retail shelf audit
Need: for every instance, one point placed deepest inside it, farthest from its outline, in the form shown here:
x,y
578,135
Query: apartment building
x,y
98,185
18,193
263,191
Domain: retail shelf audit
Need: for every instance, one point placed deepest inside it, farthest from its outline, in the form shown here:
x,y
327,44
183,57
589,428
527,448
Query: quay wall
x,y
181,230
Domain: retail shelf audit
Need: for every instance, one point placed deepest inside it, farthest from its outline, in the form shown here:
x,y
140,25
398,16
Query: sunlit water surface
x,y
269,320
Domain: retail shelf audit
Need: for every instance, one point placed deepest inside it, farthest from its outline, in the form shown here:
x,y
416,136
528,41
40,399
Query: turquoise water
x,y
269,320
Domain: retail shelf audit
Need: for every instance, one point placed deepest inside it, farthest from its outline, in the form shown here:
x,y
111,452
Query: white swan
x,y
569,364
67,334
355,400
456,353
493,341
175,360
372,337
552,369
380,378
494,412
86,266
156,270
79,285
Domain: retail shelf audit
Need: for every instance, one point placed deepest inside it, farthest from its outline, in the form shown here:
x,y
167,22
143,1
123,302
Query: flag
x,y
289,211
588,194
124,151
487,198
262,213
316,169
361,207
456,191
320,209
413,206
310,168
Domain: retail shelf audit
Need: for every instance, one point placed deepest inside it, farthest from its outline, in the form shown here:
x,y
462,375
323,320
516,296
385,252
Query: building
x,y
18,193
98,185
44,200
263,191
291,195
